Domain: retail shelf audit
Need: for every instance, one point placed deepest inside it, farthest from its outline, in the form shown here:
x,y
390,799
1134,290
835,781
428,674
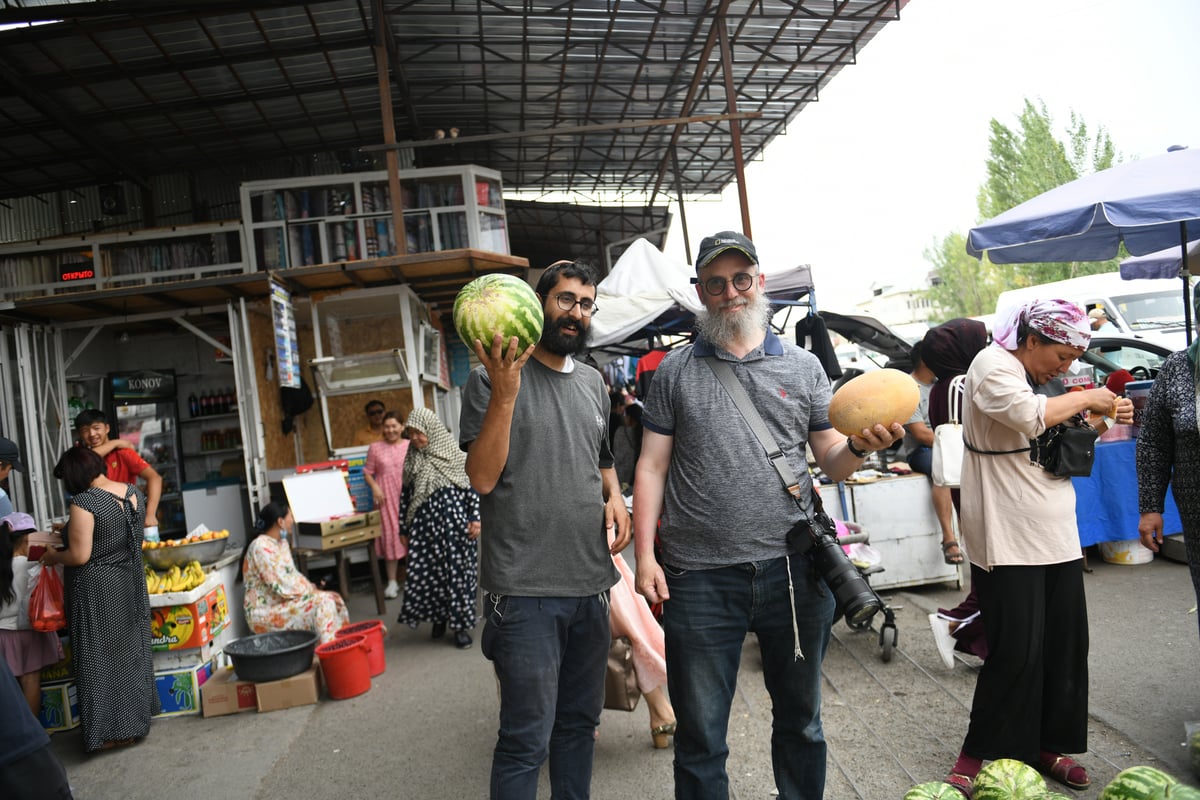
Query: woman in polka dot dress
x,y
108,609
441,513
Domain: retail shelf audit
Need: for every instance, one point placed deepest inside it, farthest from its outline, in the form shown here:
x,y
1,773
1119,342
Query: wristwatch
x,y
854,450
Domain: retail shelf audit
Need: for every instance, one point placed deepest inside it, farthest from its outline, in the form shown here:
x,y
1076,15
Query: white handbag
x,y
948,440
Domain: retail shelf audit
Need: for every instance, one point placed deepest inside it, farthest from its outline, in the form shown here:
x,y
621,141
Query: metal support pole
x,y
735,129
400,245
687,243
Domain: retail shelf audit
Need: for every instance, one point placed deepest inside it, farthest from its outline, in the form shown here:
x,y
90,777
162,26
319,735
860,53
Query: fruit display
x,y
879,396
1141,783
498,302
934,790
1009,779
175,579
200,537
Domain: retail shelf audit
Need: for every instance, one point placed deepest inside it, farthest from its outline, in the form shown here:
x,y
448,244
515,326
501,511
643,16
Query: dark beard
x,y
562,345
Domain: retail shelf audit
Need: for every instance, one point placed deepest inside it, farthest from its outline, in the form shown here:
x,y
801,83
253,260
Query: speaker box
x,y
112,199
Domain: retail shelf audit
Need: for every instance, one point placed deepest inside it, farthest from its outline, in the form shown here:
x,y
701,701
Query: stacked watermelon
x,y
498,303
934,790
1147,783
1009,779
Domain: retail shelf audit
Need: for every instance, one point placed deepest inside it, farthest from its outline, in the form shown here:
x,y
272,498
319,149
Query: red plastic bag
x,y
46,602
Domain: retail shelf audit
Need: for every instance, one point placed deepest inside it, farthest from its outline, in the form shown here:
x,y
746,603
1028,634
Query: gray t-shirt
x,y
543,524
724,502
921,414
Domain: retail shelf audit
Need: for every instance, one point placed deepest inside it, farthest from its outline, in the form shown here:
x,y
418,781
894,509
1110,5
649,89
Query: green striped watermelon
x,y
934,790
1138,783
1008,779
1181,791
1054,796
501,303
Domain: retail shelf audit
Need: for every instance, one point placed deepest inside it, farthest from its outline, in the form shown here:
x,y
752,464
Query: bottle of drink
x,y
193,405
230,400
205,404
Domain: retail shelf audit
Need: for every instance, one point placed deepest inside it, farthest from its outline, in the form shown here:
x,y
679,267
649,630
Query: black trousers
x,y
1032,690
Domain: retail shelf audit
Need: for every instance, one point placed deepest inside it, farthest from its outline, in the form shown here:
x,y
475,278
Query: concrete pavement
x,y
427,726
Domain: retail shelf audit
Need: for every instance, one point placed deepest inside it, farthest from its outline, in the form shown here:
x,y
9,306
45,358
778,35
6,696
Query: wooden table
x,y
342,565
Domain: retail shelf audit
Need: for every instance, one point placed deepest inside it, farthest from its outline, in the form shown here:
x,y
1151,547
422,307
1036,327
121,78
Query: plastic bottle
x,y
193,405
205,404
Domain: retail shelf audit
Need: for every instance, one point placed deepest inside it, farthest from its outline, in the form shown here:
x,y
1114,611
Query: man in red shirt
x,y
121,461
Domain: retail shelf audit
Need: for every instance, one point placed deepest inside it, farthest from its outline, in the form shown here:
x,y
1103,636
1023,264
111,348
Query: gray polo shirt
x,y
724,503
543,524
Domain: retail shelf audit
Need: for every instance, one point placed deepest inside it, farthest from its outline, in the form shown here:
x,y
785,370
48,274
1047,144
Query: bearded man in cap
x,y
728,567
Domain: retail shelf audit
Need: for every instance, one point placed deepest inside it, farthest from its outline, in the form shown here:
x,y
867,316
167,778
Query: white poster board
x,y
318,496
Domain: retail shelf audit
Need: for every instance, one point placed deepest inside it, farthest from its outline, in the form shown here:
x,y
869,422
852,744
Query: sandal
x,y
961,782
954,558
662,735
1060,769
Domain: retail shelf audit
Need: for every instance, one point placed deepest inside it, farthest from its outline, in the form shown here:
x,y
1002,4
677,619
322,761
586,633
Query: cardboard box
x,y
299,690
179,689
341,525
184,659
191,624
335,540
63,670
224,694
60,707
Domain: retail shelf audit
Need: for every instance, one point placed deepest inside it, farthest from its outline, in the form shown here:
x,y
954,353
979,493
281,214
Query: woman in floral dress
x,y
278,597
442,519
384,472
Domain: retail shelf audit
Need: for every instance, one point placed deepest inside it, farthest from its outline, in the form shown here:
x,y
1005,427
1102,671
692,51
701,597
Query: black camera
x,y
854,596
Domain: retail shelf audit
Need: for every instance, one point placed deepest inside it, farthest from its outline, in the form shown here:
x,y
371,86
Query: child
x,y
25,649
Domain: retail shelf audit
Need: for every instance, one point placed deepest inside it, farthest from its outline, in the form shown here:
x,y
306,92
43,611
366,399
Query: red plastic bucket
x,y
344,665
373,630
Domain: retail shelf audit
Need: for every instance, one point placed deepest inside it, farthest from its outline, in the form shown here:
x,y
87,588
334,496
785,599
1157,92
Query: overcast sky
x,y
892,156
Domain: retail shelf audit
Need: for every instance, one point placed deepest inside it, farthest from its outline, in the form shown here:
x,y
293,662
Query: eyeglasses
x,y
715,286
566,301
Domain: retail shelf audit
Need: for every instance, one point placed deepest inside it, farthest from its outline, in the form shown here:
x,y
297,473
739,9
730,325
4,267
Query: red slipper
x,y
1066,771
962,783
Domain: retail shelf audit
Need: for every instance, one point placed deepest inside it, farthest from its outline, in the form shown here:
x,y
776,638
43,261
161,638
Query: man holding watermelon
x,y
534,426
728,567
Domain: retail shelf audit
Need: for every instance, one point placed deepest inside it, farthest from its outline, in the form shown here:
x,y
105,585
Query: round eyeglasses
x,y
566,301
742,281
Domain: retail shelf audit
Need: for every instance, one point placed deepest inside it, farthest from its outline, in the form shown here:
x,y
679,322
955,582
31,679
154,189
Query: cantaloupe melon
x,y
880,396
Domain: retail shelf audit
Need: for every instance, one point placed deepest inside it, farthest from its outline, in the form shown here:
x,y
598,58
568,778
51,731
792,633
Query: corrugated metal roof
x,y
133,89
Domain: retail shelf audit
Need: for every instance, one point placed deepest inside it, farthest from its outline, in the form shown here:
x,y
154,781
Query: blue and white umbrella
x,y
1149,204
1166,263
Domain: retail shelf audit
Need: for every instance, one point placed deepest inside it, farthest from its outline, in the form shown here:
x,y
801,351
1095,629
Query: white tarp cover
x,y
641,286
645,283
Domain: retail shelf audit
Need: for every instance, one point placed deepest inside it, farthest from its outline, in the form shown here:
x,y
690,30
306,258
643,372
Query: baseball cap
x,y
19,522
1097,313
718,243
9,454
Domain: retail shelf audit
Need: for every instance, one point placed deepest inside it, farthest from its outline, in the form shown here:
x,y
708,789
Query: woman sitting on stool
x,y
278,597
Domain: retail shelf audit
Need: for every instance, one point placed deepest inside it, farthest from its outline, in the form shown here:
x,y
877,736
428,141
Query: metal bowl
x,y
272,656
206,551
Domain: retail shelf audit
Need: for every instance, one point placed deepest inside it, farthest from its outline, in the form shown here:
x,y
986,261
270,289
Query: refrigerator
x,y
143,410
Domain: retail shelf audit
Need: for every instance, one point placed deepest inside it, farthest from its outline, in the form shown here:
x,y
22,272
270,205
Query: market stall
x,y
1106,502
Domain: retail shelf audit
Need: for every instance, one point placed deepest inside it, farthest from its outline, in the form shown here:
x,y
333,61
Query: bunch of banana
x,y
175,579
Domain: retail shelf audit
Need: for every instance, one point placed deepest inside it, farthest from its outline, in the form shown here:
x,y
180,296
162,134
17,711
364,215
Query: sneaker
x,y
943,639
462,640
392,591
438,630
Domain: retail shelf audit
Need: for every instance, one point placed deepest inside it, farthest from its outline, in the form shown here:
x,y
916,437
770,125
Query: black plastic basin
x,y
272,656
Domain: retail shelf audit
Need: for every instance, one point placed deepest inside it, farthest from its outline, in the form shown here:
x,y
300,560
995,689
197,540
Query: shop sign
x,y
81,271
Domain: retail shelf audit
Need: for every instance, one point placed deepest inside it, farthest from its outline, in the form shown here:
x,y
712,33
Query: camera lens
x,y
854,596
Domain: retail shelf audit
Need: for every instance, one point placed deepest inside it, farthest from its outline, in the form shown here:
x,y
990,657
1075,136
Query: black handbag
x,y
1067,449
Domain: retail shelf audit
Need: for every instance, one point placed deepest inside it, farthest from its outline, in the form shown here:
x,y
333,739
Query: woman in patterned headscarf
x,y
441,513
1018,523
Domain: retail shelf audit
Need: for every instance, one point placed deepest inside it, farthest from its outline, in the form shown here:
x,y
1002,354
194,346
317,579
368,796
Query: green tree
x,y
1025,161
963,286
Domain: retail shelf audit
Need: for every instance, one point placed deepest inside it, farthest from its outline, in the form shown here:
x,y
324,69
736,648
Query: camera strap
x,y
741,400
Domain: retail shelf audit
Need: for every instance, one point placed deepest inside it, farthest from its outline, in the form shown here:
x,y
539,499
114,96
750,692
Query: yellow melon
x,y
880,396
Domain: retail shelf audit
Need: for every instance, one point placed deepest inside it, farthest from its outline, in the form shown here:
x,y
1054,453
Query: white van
x,y
1144,309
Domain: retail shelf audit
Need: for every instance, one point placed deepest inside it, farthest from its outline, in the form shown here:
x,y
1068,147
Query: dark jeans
x,y
37,776
921,459
550,655
706,621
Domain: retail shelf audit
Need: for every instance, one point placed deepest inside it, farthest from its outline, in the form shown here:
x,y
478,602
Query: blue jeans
x,y
706,621
550,655
921,460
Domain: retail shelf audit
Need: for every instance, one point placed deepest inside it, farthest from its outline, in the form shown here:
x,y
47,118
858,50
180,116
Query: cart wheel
x,y
888,636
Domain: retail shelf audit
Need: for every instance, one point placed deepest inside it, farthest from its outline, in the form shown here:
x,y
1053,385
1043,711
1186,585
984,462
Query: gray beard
x,y
724,329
